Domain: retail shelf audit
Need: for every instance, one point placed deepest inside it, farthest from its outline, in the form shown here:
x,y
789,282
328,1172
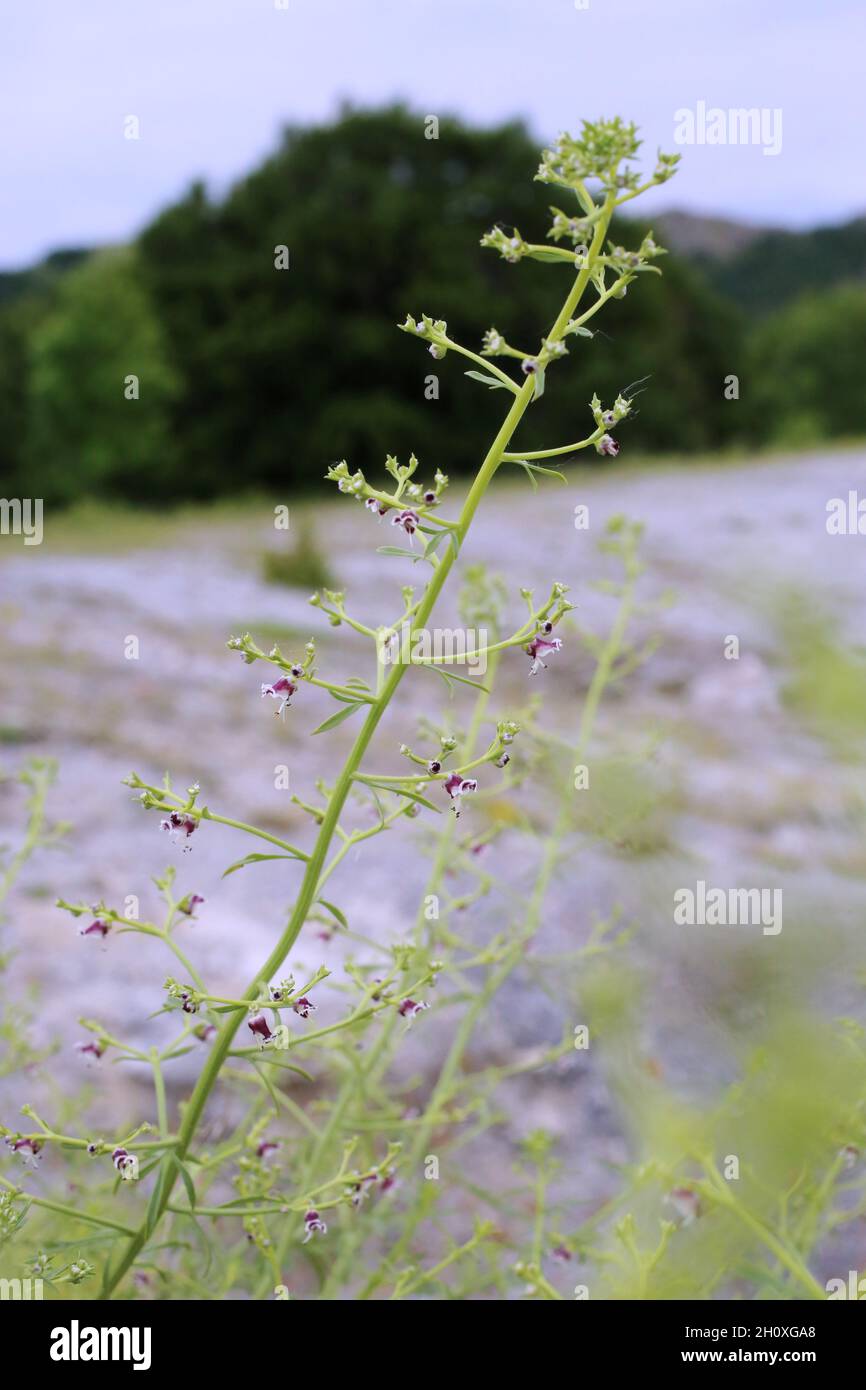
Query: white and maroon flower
x,y
457,787
266,1146
607,445
261,1028
539,647
96,928
304,1006
179,825
92,1048
411,1008
281,690
123,1159
314,1225
408,520
29,1149
561,1252
373,505
205,1031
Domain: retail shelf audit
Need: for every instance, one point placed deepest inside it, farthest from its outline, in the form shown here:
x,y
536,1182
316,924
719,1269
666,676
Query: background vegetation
x,y
255,378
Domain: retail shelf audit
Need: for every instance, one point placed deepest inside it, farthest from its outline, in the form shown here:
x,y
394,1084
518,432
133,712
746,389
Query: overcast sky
x,y
212,81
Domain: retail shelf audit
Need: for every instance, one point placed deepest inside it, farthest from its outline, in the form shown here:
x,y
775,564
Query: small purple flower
x,y
281,690
411,1008
561,1252
188,1003
93,1048
388,1181
122,1159
457,786
261,1028
205,1031
539,647
313,1224
179,826
189,904
503,760
29,1149
373,506
434,766
96,928
408,520
266,1146
303,1007
607,445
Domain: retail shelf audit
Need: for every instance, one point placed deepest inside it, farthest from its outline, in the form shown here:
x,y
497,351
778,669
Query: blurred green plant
x,y
304,566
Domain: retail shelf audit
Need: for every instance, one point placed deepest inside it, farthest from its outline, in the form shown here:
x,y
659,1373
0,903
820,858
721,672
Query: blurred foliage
x,y
806,366
777,267
83,431
827,683
303,567
258,378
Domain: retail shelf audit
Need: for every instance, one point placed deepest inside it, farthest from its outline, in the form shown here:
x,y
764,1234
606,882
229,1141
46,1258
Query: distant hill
x,y
15,283
717,238
762,269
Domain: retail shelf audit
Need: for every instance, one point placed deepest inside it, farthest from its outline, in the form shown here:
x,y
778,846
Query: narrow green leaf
x,y
434,542
537,468
186,1179
450,675
335,912
258,859
403,791
338,718
549,256
153,1205
493,382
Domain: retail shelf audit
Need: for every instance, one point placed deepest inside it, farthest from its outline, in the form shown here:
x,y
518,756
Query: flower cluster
x,y
511,248
434,331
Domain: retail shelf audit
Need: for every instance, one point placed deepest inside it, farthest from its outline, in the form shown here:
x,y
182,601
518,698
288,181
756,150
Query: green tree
x,y
806,362
284,370
87,433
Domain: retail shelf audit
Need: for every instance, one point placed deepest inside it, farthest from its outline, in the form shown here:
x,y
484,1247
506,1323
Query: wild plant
x,y
313,1181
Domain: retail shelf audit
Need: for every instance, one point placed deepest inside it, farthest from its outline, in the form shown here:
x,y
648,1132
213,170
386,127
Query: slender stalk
x,y
330,821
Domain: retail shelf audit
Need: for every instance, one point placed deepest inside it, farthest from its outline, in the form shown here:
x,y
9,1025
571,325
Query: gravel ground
x,y
739,790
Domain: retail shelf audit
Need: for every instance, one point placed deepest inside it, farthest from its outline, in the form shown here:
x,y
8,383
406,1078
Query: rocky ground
x,y
739,786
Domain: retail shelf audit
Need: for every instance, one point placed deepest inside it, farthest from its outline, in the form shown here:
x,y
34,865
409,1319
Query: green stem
x,y
316,862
